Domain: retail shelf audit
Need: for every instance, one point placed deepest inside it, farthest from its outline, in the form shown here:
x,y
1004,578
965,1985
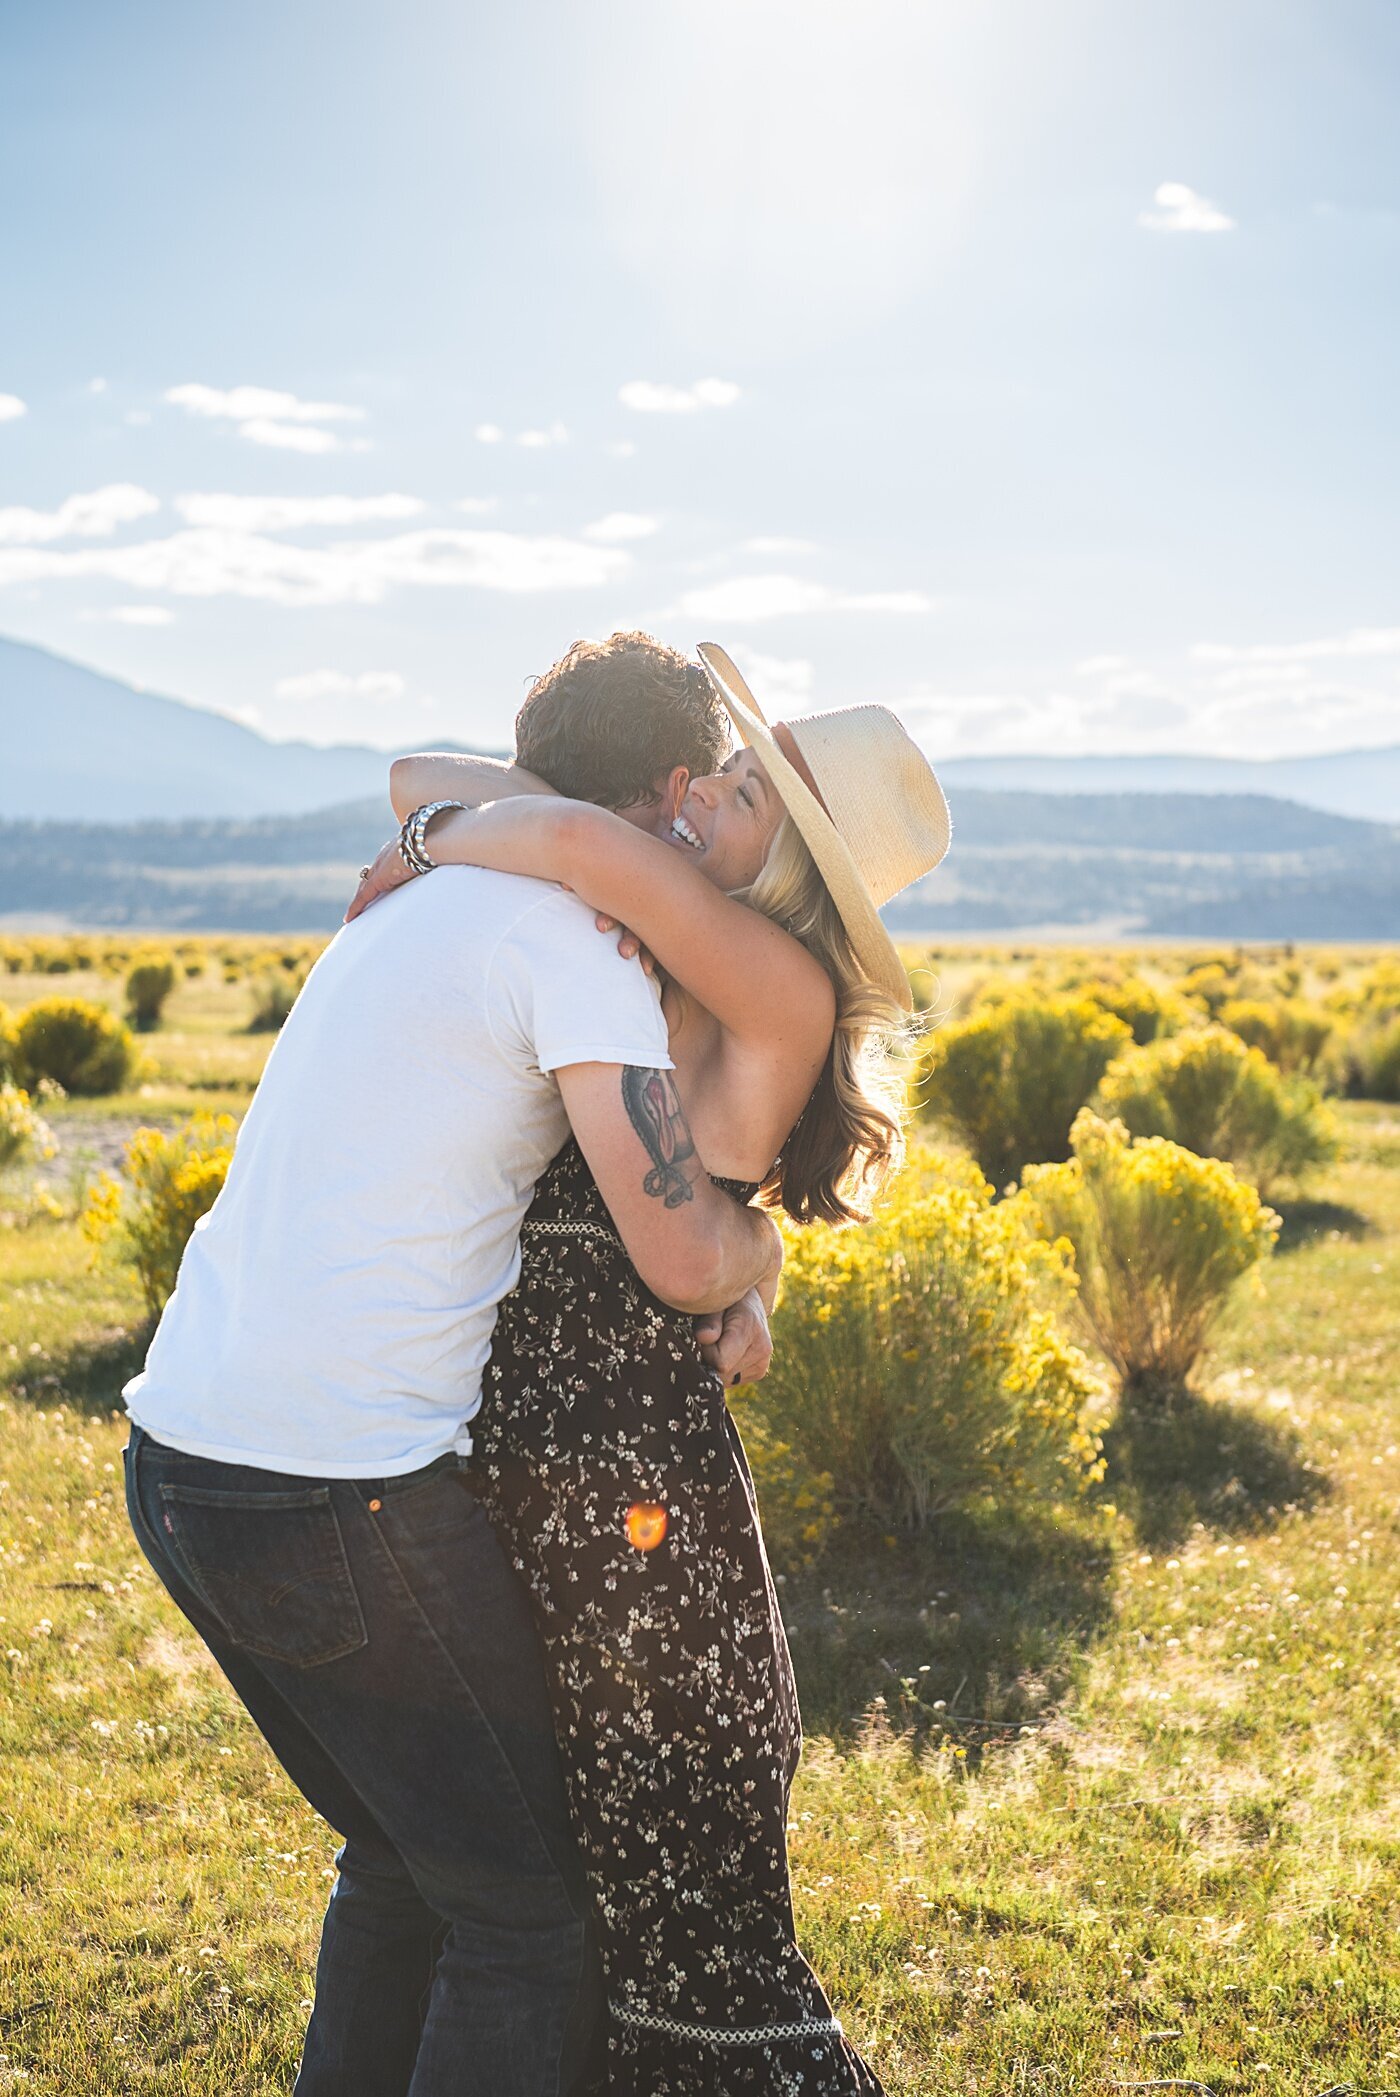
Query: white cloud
x,y
1259,700
539,440
645,397
623,449
137,418
97,386
249,403
532,440
220,563
269,417
621,524
747,598
11,407
290,513
779,683
778,546
131,615
289,436
1182,210
92,516
475,505
334,684
1362,641
1253,677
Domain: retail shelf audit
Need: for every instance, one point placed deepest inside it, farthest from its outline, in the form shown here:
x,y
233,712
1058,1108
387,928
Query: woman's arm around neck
x,y
451,775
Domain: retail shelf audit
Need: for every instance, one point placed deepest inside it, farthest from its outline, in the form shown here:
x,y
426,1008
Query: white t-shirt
x,y
334,1309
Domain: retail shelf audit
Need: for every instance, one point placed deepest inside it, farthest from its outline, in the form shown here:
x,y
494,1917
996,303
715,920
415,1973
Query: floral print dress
x,y
607,1459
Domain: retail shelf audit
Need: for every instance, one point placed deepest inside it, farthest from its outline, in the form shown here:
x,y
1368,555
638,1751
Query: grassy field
x,y
1084,1804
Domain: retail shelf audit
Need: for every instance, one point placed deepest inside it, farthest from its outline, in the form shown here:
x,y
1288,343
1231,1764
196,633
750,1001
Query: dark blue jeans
x,y
385,1650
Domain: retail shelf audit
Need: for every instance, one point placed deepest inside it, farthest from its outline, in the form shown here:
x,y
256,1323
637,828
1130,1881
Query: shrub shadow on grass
x,y
1204,1460
982,1614
89,1375
1303,1222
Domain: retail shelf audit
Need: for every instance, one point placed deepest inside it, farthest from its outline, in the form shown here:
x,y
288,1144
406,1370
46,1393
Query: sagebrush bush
x,y
1210,1093
77,1044
275,991
1011,1078
1160,1237
1210,983
23,1133
1372,1067
1290,1032
143,1220
1147,1013
918,1365
147,987
1368,1062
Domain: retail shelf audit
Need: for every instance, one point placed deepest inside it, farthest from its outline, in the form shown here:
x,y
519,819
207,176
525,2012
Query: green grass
x,y
1085,1801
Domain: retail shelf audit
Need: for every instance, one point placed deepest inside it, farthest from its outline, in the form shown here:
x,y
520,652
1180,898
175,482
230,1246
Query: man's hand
x,y
389,870
736,1343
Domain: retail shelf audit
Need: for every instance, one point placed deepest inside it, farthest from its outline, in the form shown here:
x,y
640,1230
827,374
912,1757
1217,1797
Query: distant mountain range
x,y
1364,783
1190,866
84,747
79,746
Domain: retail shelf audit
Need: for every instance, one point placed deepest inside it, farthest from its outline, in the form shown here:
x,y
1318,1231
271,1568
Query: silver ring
x,y
365,873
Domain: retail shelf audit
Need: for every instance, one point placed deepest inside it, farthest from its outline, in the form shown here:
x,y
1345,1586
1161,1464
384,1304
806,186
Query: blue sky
x,y
1027,365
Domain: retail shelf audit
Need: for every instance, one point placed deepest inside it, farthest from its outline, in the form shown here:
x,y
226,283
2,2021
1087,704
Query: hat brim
x,y
871,943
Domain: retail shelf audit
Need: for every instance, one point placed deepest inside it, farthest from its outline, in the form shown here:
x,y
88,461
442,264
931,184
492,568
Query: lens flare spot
x,y
646,1524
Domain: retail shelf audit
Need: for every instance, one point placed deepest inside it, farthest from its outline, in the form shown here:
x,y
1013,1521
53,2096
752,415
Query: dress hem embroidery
x,y
757,2035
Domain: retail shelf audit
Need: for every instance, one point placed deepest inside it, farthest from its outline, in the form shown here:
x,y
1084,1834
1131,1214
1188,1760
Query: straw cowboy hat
x,y
865,800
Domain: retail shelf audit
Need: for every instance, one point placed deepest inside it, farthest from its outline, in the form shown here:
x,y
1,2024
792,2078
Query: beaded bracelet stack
x,y
412,849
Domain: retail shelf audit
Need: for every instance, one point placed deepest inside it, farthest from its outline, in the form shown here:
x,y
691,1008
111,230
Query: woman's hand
x,y
387,871
629,946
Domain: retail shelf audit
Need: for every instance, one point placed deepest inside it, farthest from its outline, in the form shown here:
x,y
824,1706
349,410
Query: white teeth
x,y
681,829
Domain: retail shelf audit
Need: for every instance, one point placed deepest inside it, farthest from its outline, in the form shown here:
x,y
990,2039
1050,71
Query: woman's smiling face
x,y
727,821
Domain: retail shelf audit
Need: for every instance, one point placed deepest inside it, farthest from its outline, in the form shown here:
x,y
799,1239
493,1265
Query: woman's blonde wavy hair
x,y
850,1137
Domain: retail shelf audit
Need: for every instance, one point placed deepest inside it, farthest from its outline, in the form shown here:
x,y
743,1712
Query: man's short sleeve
x,y
558,992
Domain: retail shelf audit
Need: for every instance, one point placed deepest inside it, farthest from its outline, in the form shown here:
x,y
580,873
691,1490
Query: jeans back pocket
x,y
272,1568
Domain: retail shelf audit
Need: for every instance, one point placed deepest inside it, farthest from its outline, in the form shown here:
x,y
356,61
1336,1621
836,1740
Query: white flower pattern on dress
x,y
673,1690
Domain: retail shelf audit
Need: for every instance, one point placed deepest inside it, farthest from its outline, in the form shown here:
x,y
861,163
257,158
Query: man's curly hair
x,y
612,718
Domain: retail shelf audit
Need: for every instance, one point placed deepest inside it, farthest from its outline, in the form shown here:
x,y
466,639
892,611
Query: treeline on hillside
x,y
1230,866
1208,823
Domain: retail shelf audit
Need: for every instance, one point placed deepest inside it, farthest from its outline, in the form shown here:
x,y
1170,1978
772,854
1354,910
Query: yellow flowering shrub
x,y
144,1219
1292,1033
23,1133
1369,1062
9,1046
1146,1012
1010,1079
1373,1062
1210,1093
148,985
1210,983
77,1044
798,1504
1159,1238
918,1365
276,989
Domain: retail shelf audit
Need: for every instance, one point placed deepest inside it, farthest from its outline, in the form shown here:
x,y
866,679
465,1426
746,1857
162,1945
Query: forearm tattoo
x,y
655,1111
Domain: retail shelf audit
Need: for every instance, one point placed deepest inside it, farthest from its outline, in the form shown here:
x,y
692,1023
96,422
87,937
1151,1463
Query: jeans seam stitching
x,y
579,1915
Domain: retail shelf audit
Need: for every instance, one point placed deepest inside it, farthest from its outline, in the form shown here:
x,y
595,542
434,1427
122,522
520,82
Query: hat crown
x,y
880,792
876,821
